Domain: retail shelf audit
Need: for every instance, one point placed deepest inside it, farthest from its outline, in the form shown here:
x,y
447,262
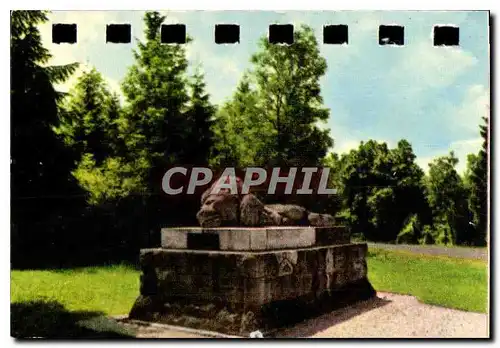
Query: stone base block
x,y
250,239
268,318
239,292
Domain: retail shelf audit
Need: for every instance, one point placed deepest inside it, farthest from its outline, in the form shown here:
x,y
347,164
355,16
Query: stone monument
x,y
250,267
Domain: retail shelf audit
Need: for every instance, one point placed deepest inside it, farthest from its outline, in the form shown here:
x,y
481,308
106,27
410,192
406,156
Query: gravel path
x,y
393,316
387,316
459,252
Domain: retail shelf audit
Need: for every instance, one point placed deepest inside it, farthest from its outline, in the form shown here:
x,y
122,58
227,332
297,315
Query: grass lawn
x,y
448,282
72,303
111,290
43,300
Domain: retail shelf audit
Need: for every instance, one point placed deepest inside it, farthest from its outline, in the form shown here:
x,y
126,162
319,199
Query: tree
x,y
447,197
90,116
477,177
91,126
156,90
161,121
239,130
288,96
200,114
382,190
411,209
42,191
38,159
111,179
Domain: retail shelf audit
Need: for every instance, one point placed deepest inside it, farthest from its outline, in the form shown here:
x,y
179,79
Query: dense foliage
x,y
382,190
86,169
273,116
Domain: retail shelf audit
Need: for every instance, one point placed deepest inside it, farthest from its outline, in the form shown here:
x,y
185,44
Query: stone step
x,y
247,238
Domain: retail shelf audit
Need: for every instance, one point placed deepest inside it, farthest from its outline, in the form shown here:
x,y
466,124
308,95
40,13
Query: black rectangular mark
x,y
203,241
64,33
281,34
445,35
118,33
227,33
335,34
173,33
391,35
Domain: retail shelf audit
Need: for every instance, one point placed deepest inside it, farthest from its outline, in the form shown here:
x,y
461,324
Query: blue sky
x,y
432,96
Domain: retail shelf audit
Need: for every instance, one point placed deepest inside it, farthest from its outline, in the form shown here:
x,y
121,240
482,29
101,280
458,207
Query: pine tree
x,y
156,90
91,113
39,163
158,120
478,179
239,129
91,126
200,114
43,194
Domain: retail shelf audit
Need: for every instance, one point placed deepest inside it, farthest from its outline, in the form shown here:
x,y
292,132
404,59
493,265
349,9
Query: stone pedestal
x,y
238,280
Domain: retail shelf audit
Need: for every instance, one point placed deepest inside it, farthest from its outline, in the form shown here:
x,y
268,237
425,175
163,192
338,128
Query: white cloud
x,y
61,53
113,85
345,141
69,83
461,149
344,146
91,28
91,24
466,116
474,106
223,70
424,66
171,18
212,57
423,162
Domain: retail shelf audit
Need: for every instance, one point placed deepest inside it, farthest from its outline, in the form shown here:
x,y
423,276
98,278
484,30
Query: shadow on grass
x,y
49,319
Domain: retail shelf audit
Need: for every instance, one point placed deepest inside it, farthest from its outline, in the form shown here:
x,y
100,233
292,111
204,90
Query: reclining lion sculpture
x,y
224,209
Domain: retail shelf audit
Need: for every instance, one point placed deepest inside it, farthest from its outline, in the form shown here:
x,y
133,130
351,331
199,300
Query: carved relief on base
x,y
358,269
339,259
339,279
287,262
